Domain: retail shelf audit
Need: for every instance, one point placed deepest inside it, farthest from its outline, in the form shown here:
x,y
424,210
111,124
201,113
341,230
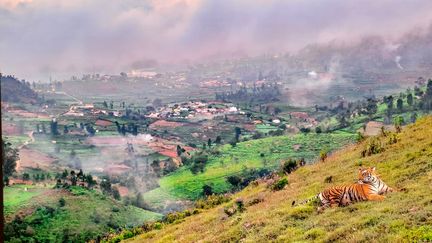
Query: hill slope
x,y
33,212
13,90
405,215
254,154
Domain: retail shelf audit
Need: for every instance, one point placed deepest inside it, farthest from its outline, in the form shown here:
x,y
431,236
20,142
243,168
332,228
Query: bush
x,y
289,166
280,184
240,205
234,180
323,155
211,201
373,147
207,190
62,202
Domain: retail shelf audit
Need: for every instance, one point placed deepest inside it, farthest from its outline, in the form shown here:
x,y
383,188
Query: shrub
x,y
289,166
240,205
392,138
328,179
323,155
211,201
62,202
234,180
280,184
373,147
207,190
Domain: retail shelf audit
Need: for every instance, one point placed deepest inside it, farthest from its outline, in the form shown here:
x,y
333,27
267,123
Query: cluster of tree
x,y
245,177
409,101
197,162
37,177
105,105
66,179
129,128
13,90
255,94
106,187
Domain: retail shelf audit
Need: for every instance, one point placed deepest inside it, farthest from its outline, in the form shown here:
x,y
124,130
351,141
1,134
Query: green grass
x,y
403,216
16,140
265,128
15,196
86,214
184,185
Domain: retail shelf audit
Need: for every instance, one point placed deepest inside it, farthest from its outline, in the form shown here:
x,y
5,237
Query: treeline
x,y
415,101
261,94
14,90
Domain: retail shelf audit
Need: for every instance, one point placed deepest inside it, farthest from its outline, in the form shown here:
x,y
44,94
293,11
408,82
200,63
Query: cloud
x,y
61,37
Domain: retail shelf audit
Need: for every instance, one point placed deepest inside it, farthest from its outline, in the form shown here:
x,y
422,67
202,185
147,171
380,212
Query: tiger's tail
x,y
293,204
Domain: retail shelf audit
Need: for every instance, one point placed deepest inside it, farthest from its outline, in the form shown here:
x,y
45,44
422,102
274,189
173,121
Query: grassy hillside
x,y
260,153
84,215
405,215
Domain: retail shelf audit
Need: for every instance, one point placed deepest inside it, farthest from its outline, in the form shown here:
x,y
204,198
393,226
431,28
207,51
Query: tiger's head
x,y
367,175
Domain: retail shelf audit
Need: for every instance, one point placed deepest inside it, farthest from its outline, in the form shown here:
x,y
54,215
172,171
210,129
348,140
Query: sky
x,y
42,38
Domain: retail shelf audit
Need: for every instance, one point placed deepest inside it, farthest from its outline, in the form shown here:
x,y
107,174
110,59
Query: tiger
x,y
369,187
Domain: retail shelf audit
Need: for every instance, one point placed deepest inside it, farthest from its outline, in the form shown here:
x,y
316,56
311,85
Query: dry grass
x,y
404,216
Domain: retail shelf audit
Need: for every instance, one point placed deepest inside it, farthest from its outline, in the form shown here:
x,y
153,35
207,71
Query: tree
x,y
399,104
135,130
105,104
371,107
80,174
116,193
105,185
123,129
54,129
64,174
237,131
389,101
65,130
218,140
209,142
9,161
410,99
90,181
179,150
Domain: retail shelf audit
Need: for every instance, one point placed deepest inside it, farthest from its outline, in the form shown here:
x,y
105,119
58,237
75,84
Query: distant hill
x,y
13,90
404,216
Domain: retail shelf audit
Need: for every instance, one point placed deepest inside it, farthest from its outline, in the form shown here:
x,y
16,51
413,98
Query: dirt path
x,y
31,140
73,97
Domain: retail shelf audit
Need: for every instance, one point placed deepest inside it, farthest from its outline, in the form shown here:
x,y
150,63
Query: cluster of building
x,y
193,109
88,109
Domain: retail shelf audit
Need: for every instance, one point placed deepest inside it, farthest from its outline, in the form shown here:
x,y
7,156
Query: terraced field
x,y
261,153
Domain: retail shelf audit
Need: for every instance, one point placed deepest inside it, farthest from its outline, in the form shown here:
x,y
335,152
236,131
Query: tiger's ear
x,y
360,168
373,169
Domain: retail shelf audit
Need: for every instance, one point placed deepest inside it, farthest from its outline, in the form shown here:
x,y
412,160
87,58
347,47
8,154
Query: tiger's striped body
x,y
369,187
